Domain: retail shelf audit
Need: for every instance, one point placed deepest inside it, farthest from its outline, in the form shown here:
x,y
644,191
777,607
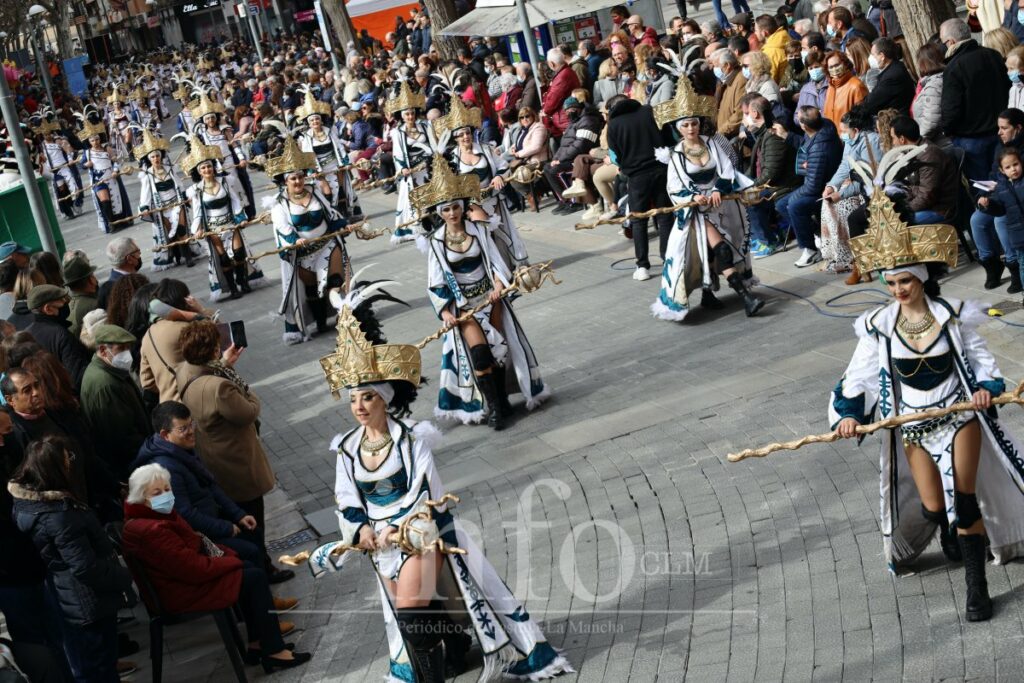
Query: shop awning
x,y
500,18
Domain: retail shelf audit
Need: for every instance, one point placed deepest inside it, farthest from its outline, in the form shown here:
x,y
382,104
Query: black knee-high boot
x,y
318,307
979,604
456,641
419,629
947,534
483,362
225,265
242,271
751,304
107,209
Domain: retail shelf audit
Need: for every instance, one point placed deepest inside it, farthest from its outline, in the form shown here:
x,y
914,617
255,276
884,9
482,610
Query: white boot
x,y
592,213
576,190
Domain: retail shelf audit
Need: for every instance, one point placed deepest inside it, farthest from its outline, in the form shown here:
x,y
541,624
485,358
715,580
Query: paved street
x,y
611,510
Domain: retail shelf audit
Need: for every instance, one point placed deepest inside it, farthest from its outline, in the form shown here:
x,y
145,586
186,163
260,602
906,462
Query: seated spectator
x,y
895,87
817,159
79,277
1000,39
845,90
49,306
859,52
608,84
125,258
594,177
1015,70
198,497
191,573
932,182
659,86
83,572
530,142
814,91
840,29
757,70
772,163
581,135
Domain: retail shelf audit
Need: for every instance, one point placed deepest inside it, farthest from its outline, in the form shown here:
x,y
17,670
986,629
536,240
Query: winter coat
x,y
581,136
534,144
817,159
530,97
226,432
866,148
183,575
893,90
79,305
605,89
843,94
772,161
633,137
730,114
112,404
582,70
974,91
650,37
926,107
52,334
19,562
80,562
1010,20
933,181
660,90
1007,199
160,355
559,89
197,497
811,94
21,317
775,50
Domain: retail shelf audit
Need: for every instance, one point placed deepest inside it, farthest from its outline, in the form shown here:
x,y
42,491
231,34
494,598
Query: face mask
x,y
804,53
1014,76
122,360
687,37
488,70
831,31
719,74
1020,16
574,115
873,62
64,312
847,137
790,20
162,503
816,73
836,72
746,72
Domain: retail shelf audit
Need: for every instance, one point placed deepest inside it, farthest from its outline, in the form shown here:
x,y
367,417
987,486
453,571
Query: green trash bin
x,y
16,222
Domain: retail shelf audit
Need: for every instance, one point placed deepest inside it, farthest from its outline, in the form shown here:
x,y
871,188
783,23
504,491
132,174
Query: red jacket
x,y
561,86
650,37
185,579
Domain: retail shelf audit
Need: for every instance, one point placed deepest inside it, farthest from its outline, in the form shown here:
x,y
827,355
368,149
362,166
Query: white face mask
x,y
122,360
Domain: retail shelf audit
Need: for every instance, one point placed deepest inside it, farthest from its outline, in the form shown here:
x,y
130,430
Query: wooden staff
x,y
150,211
749,196
1006,398
260,218
360,230
128,170
527,279
384,181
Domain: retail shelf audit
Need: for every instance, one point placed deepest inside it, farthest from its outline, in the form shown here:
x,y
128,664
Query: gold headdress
x,y
138,94
89,129
206,106
311,106
686,104
356,361
405,99
116,96
205,63
444,186
150,143
890,243
197,153
46,126
292,159
458,116
181,92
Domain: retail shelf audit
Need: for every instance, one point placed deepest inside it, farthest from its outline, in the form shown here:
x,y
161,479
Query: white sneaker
x,y
807,258
641,274
608,215
592,213
576,190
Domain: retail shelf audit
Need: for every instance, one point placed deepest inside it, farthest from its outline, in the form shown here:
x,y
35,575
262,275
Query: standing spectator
x,y
1012,19
12,252
562,84
845,90
1001,39
82,570
1014,68
160,351
80,279
21,316
589,55
659,86
927,104
639,34
632,138
974,91
49,306
531,97
579,65
125,258
112,402
815,90
732,85
608,84
894,88
8,276
773,39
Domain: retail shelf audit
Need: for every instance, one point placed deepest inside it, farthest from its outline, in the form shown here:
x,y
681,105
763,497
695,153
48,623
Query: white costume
x,y
410,150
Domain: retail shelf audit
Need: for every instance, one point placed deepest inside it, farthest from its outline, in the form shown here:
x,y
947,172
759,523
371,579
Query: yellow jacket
x,y
775,50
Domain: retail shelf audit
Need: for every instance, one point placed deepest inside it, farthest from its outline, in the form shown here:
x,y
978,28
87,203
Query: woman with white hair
x,y
191,573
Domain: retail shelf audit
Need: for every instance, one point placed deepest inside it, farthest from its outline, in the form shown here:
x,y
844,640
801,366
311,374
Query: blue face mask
x,y
719,74
163,503
816,73
1014,76
831,31
746,72
1020,16
845,137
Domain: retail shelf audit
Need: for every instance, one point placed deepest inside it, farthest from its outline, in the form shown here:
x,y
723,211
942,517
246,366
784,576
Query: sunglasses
x,y
525,118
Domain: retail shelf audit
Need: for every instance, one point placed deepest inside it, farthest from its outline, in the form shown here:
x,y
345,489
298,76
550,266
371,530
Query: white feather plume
x,y
663,154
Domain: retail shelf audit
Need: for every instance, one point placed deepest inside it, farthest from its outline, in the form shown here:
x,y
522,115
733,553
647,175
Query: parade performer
x,y
211,128
465,269
108,192
965,474
161,187
118,118
183,94
470,156
322,140
412,144
216,206
711,238
143,115
387,480
302,214
58,159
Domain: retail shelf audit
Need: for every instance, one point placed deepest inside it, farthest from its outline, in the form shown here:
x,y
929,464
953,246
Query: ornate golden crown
x,y
685,105
181,92
116,96
205,63
138,94
890,243
292,159
311,106
356,361
206,106
89,129
458,116
444,186
198,153
405,99
150,143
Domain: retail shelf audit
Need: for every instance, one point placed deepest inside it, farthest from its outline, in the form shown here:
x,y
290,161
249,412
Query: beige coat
x,y
226,436
161,356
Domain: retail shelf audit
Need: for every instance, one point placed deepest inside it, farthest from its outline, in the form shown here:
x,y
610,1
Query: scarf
x,y
229,373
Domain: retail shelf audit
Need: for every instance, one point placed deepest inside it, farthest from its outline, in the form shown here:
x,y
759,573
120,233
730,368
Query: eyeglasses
x,y
525,118
190,427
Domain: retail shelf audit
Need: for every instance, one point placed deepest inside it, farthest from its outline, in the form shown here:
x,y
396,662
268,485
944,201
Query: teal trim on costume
x,y
924,372
994,386
355,515
395,489
449,401
402,672
848,407
541,657
670,303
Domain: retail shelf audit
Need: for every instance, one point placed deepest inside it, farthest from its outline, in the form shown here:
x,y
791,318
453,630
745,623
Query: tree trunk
x,y
920,19
342,27
59,15
442,13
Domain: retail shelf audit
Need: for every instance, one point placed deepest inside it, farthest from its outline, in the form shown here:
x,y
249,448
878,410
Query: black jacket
x,y
633,136
21,316
53,335
104,291
19,562
79,558
581,136
975,88
895,89
772,161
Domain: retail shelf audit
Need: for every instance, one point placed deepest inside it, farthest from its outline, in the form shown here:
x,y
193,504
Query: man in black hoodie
x,y
632,138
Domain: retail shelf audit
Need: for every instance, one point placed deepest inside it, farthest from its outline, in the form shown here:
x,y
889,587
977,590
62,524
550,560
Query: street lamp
x,y
35,18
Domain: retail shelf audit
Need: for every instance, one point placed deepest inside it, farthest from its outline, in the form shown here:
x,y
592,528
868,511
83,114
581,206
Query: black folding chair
x,y
964,205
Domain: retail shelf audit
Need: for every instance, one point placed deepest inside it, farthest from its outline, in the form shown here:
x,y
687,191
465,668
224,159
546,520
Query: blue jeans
x,y
760,216
737,7
990,234
928,218
979,153
799,208
92,651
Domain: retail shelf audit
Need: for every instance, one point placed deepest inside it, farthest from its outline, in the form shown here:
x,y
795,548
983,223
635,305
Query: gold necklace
x,y
695,154
373,447
914,331
454,240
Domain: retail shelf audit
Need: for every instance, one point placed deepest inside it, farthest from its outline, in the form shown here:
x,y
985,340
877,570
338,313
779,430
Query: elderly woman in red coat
x,y
190,573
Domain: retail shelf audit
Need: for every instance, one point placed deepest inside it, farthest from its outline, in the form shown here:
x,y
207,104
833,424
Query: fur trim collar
x,y
22,493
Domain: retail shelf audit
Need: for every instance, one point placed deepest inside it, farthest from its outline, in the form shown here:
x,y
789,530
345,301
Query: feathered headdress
x,y
206,105
292,159
444,186
458,116
311,105
405,99
686,104
197,152
89,127
150,143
